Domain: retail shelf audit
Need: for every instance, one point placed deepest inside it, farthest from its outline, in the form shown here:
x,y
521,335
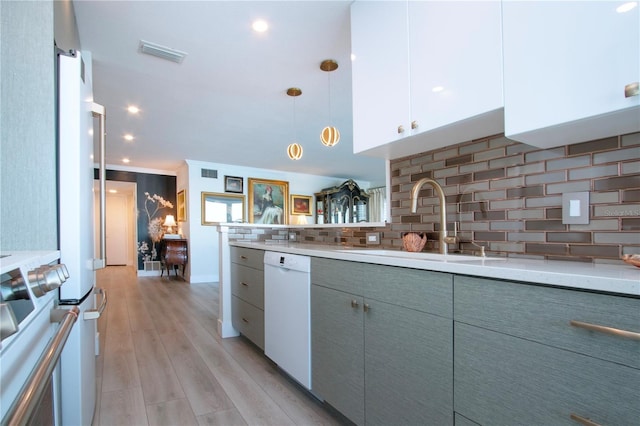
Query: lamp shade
x,y
330,136
169,222
294,151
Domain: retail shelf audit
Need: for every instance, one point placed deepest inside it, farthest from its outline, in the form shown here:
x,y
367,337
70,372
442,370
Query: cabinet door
x,y
338,351
408,366
380,73
566,64
455,61
505,380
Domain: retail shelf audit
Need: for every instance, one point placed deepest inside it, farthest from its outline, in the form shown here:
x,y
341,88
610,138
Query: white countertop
x,y
615,278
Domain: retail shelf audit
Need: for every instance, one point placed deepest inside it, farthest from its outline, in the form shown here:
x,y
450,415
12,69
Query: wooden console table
x,y
173,252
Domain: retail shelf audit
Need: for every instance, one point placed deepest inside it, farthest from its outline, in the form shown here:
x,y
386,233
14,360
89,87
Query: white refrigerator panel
x,y
76,165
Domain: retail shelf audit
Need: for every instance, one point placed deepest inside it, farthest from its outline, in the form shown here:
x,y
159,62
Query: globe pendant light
x,y
294,150
330,135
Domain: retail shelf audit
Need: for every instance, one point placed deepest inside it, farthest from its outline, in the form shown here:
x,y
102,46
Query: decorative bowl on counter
x,y
414,241
632,259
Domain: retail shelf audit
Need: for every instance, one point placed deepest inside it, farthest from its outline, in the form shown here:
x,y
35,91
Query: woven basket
x,y
413,241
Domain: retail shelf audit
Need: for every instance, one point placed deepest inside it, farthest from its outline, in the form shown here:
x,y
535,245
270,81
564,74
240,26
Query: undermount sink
x,y
420,255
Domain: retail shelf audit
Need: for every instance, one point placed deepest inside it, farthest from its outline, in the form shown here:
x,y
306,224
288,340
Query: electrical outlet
x,y
373,238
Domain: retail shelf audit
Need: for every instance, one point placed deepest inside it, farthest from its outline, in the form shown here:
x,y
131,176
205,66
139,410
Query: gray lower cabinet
x,y
382,342
518,360
247,293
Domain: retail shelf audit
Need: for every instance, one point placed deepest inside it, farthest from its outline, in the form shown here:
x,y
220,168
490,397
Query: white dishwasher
x,y
287,313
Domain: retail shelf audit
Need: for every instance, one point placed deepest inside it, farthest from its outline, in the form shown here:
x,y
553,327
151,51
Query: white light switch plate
x,y
575,208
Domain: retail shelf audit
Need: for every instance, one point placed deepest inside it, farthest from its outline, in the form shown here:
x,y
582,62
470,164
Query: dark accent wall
x,y
156,198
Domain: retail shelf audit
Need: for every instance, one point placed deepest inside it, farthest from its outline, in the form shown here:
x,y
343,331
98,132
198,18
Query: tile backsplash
x,y
507,196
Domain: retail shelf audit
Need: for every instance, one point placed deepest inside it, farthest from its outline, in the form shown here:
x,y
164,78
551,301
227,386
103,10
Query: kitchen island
x,y
406,337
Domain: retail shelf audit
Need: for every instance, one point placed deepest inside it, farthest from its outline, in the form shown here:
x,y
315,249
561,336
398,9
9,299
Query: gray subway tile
x,y
525,214
630,139
632,167
474,167
526,169
506,225
617,210
507,183
546,178
474,147
617,155
538,237
593,172
569,163
513,160
547,249
616,237
593,146
597,225
594,250
623,182
489,154
525,191
506,204
544,225
569,237
548,201
630,195
576,186
520,148
547,154
446,153
610,197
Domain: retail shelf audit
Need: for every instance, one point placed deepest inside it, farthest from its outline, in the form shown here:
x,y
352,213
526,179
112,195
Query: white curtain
x,y
377,204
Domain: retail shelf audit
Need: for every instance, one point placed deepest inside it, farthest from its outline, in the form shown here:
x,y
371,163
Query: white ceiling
x,y
226,103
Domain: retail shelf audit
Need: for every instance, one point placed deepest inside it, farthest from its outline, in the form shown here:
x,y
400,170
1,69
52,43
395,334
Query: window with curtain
x,y
377,204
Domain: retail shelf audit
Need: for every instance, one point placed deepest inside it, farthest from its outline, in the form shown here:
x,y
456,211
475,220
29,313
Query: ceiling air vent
x,y
162,51
208,173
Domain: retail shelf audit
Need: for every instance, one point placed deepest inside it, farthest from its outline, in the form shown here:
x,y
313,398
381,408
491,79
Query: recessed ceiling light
x,y
133,109
625,7
113,191
128,137
125,160
353,57
260,25
437,89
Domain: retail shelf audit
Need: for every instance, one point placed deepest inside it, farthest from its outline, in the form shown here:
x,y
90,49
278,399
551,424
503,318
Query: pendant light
x,y
294,150
330,135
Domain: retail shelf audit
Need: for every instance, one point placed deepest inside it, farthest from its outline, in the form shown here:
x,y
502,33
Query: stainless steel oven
x,y
33,333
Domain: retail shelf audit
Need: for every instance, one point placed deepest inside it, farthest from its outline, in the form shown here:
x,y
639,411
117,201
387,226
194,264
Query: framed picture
x,y
182,206
233,184
301,204
268,201
225,208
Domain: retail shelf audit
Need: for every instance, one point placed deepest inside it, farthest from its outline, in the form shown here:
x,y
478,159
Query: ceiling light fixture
x,y
128,137
133,109
162,52
626,7
260,26
125,160
294,150
330,135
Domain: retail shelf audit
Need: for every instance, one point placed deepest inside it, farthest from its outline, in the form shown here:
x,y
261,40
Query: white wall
x,y
203,240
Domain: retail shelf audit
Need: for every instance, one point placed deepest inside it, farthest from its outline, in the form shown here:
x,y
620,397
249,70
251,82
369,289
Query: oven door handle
x,y
92,314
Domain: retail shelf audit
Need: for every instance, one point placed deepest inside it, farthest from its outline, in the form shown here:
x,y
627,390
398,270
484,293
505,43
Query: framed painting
x,y
222,208
301,204
182,206
268,201
233,184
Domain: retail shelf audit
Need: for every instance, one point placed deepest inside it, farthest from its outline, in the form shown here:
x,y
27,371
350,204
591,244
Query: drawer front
x,y
505,380
248,320
416,289
249,257
425,291
542,314
248,284
338,275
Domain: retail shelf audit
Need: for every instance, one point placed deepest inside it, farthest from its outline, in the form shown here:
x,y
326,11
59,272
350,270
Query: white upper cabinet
x,y
566,65
380,72
426,74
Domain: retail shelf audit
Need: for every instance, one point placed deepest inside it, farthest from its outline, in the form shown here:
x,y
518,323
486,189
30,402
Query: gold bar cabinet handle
x,y
607,330
583,420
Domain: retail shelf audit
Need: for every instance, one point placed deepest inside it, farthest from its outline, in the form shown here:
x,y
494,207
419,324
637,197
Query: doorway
x,y
121,226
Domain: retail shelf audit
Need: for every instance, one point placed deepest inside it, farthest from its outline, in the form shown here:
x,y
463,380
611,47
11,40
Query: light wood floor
x,y
163,363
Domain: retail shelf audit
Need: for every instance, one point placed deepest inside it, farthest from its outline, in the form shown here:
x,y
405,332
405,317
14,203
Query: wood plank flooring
x,y
163,363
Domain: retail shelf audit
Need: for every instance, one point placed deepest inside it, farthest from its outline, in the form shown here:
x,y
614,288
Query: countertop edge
x,y
619,279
